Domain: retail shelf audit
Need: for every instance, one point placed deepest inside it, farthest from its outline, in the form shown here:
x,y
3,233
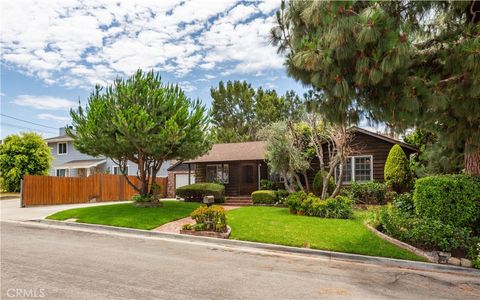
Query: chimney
x,y
61,131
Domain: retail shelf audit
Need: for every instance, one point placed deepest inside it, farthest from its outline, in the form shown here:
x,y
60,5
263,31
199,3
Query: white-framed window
x,y
357,168
62,148
117,171
61,172
218,173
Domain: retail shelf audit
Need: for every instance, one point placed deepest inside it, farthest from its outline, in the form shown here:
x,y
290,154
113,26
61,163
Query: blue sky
x,y
54,52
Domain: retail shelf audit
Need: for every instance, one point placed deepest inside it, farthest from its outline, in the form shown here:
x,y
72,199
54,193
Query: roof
x,y
382,137
233,152
60,138
80,164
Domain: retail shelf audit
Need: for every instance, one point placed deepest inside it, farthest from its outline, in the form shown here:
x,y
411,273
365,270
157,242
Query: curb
x,y
383,261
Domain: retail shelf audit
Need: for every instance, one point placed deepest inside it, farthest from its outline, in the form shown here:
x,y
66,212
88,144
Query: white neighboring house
x,y
69,162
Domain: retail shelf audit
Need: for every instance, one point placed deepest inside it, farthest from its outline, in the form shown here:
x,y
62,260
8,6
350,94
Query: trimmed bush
x,y
425,233
452,199
210,218
318,184
397,170
282,195
339,207
367,193
264,197
196,192
266,184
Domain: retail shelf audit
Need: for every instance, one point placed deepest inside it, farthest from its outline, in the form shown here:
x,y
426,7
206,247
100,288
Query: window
x,y
117,171
357,168
217,173
62,148
62,172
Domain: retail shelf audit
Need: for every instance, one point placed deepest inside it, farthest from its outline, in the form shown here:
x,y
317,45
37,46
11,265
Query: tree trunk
x,y
472,159
307,184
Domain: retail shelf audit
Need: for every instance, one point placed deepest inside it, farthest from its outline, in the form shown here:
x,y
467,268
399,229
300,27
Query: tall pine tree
x,y
405,63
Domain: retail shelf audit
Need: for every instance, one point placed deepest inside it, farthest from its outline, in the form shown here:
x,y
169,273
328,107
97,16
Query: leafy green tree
x,y
142,120
433,157
239,111
396,171
405,63
23,154
286,153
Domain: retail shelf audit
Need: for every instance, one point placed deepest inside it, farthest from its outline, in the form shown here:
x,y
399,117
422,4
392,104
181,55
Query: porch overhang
x,y
82,164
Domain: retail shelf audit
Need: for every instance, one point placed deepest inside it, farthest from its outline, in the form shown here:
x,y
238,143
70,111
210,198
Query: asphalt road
x,y
52,263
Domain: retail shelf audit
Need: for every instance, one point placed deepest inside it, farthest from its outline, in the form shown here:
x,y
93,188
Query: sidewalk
x,y
176,226
11,210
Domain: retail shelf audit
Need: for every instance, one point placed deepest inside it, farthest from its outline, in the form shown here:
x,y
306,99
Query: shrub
x,y
282,195
294,201
397,170
210,218
264,197
452,199
424,233
140,198
196,192
318,184
339,207
404,202
367,193
266,184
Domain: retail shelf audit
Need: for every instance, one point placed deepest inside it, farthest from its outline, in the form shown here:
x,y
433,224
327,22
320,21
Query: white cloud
x,y
208,76
81,43
187,86
43,102
53,117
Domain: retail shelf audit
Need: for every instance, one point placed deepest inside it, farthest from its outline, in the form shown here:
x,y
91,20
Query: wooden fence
x,y
51,190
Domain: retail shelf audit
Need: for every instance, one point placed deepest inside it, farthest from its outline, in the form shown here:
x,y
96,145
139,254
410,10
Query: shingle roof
x,y
60,138
233,152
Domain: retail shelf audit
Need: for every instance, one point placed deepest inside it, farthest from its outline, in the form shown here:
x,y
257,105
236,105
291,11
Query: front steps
x,y
238,201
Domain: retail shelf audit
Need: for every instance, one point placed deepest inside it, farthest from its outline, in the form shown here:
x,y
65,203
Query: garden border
x,y
431,258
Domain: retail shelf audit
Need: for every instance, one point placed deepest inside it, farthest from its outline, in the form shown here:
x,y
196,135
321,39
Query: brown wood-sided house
x,y
241,166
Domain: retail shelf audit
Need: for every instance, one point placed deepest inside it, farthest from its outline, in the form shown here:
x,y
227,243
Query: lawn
x,y
277,226
127,215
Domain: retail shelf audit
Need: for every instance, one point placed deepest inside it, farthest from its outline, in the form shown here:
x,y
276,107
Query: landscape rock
x,y
443,257
465,262
454,261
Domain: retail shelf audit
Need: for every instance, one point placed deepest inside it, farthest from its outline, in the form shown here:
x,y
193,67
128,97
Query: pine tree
x,y
405,63
239,111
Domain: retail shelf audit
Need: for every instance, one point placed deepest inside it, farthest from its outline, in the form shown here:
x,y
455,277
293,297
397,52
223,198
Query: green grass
x,y
127,215
277,226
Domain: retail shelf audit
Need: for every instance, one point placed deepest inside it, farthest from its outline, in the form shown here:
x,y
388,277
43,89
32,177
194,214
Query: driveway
x,y
11,210
69,264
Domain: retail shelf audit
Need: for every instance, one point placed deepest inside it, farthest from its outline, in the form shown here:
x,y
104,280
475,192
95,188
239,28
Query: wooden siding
x,y
365,145
52,190
234,186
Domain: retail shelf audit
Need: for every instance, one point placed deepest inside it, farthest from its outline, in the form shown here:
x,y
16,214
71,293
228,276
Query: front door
x,y
248,178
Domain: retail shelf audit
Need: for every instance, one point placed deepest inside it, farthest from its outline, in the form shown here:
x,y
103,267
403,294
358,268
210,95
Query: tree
x,y
396,171
405,63
286,153
239,111
142,120
433,157
23,154
336,142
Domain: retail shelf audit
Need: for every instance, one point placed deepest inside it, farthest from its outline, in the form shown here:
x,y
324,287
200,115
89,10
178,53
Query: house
x,y
69,162
241,166
238,166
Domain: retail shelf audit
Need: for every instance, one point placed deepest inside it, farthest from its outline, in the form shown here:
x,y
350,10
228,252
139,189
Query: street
x,y
66,264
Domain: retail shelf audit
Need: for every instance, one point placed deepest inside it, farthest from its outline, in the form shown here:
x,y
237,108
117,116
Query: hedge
x,y
452,199
196,192
368,192
397,170
264,197
318,183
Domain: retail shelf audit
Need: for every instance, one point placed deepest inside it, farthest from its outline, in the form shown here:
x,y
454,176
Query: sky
x,y
54,52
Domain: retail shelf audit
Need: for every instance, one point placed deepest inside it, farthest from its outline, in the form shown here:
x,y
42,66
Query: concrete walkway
x,y
11,210
175,226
